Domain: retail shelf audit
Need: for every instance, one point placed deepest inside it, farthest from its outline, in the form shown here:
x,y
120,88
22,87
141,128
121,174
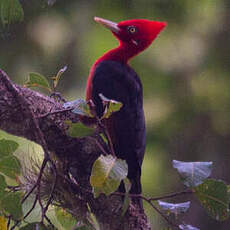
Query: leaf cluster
x,y
10,168
39,81
212,194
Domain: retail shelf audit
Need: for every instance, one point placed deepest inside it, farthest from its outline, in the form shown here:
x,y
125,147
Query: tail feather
x,y
136,189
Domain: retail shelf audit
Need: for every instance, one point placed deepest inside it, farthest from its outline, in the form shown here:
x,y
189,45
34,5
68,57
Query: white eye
x,y
132,29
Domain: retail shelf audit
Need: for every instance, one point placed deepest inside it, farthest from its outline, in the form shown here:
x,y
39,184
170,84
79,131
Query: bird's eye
x,y
132,29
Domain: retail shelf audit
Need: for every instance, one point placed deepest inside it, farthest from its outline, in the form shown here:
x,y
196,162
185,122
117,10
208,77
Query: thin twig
x,y
162,214
156,198
14,188
99,145
8,223
55,112
110,141
49,221
51,192
172,195
15,225
37,184
38,197
31,209
38,180
151,199
106,132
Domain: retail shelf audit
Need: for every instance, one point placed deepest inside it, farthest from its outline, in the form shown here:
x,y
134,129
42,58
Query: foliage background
x,y
185,75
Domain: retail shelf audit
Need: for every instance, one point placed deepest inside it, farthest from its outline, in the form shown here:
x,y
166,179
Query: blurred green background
x,y
185,75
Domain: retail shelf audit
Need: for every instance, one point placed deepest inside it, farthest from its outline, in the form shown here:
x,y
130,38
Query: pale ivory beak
x,y
108,24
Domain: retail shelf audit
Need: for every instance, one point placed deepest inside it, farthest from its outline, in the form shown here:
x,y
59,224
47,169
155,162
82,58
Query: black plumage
x,y
118,81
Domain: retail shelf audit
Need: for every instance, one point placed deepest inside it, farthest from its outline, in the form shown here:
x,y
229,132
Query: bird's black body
x,y
120,82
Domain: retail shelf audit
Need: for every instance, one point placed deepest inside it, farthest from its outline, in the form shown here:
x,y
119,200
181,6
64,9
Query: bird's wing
x,y
108,79
119,82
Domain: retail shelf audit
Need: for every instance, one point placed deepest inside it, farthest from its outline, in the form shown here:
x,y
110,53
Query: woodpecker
x,y
112,76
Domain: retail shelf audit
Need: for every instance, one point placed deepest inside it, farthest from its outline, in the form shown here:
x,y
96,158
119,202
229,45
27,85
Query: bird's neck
x,y
123,53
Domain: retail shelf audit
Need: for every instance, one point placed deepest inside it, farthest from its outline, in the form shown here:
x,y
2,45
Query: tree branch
x,y
29,114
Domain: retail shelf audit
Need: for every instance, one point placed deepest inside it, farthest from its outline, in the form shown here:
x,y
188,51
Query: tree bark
x,y
79,153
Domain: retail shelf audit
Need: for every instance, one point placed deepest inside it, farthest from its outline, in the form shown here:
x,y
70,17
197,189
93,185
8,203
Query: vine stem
x,y
38,180
55,112
150,200
52,191
99,145
106,132
185,192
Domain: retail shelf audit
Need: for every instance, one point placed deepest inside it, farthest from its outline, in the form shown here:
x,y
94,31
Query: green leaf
x,y
79,106
34,226
58,76
37,80
174,208
10,166
187,227
35,215
213,195
107,173
10,12
193,173
111,106
2,183
127,198
228,188
104,137
7,147
78,129
11,203
65,218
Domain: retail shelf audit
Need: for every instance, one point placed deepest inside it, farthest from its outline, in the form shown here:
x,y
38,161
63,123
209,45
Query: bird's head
x,y
136,33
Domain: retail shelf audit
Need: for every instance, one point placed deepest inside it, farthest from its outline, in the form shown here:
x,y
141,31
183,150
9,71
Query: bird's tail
x,y
135,190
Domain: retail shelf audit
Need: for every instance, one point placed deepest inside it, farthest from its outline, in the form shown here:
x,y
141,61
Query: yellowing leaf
x,y
65,218
58,76
111,106
107,173
3,223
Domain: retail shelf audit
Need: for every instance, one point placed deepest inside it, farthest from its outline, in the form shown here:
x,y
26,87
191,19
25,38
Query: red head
x,y
134,35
